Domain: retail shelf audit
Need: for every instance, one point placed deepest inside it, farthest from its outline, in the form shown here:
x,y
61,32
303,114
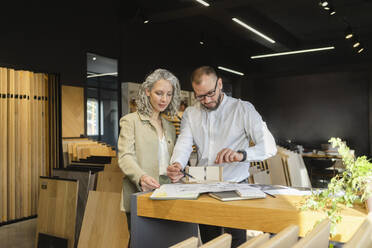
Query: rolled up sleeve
x,y
183,147
264,141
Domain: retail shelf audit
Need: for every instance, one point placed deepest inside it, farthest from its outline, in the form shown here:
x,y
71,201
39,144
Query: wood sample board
x,y
104,225
204,173
110,181
29,143
72,111
87,181
57,208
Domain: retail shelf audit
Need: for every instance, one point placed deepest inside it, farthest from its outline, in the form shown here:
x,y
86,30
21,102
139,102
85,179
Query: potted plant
x,y
351,187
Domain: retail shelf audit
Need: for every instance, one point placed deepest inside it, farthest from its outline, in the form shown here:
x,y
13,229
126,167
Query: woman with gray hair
x,y
146,138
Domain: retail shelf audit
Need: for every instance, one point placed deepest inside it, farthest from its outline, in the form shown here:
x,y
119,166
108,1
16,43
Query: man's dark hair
x,y
199,72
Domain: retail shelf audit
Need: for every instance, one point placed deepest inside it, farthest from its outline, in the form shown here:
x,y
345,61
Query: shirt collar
x,y
147,118
143,117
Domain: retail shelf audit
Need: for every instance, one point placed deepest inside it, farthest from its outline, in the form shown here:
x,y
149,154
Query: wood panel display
x,y
3,145
57,208
86,180
72,111
29,137
104,225
82,151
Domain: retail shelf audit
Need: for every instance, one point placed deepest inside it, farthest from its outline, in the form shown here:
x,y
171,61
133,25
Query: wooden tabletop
x,y
268,215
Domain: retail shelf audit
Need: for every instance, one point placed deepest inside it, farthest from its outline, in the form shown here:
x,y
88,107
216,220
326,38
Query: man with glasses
x,y
221,127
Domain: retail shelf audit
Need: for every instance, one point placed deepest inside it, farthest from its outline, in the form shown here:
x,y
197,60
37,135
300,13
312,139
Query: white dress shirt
x,y
232,125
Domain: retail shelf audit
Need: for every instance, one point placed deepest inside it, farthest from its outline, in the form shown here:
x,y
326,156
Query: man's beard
x,y
217,103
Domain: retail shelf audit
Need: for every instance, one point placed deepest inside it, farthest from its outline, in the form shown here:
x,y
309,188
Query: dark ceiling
x,y
293,24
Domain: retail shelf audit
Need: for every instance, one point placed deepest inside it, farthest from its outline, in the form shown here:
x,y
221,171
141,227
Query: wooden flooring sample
x,y
57,208
109,181
86,183
104,225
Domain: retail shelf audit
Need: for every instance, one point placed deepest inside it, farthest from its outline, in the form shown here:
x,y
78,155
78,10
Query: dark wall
x,y
171,46
310,108
49,36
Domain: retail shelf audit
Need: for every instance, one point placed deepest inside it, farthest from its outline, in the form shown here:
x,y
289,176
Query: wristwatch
x,y
244,155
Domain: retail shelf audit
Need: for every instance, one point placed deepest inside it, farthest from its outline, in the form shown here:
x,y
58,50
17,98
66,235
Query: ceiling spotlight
x,y
94,58
327,7
142,17
323,3
202,40
348,33
145,19
360,50
356,44
332,11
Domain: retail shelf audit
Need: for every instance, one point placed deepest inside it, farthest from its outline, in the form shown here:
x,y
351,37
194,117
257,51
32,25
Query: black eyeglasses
x,y
209,94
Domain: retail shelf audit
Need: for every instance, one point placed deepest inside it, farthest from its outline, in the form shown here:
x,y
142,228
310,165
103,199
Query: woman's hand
x,y
148,183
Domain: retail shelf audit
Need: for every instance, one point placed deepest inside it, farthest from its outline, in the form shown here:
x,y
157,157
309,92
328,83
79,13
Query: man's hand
x,y
174,172
227,155
148,183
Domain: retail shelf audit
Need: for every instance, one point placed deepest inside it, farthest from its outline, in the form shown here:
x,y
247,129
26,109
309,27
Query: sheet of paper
x,y
192,191
282,190
186,191
174,191
288,191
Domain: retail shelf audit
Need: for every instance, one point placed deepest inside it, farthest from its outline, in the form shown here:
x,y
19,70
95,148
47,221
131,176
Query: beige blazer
x,y
138,146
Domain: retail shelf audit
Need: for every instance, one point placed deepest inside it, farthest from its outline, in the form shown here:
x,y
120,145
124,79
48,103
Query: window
x,y
92,117
102,99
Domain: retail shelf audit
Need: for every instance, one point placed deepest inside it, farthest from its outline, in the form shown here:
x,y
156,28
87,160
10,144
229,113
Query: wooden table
x,y
268,215
313,155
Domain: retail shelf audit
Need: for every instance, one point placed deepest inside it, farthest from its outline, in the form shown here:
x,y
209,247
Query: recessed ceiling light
x,y
323,3
348,33
146,21
230,70
292,52
203,3
94,58
360,50
253,30
201,43
356,44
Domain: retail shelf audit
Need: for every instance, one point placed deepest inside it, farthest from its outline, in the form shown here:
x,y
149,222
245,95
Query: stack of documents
x,y
192,191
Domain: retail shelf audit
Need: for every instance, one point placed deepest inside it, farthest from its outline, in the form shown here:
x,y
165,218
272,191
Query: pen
x,y
187,174
273,196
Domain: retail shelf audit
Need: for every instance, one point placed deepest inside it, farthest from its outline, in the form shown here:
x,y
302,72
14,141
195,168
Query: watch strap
x,y
244,155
